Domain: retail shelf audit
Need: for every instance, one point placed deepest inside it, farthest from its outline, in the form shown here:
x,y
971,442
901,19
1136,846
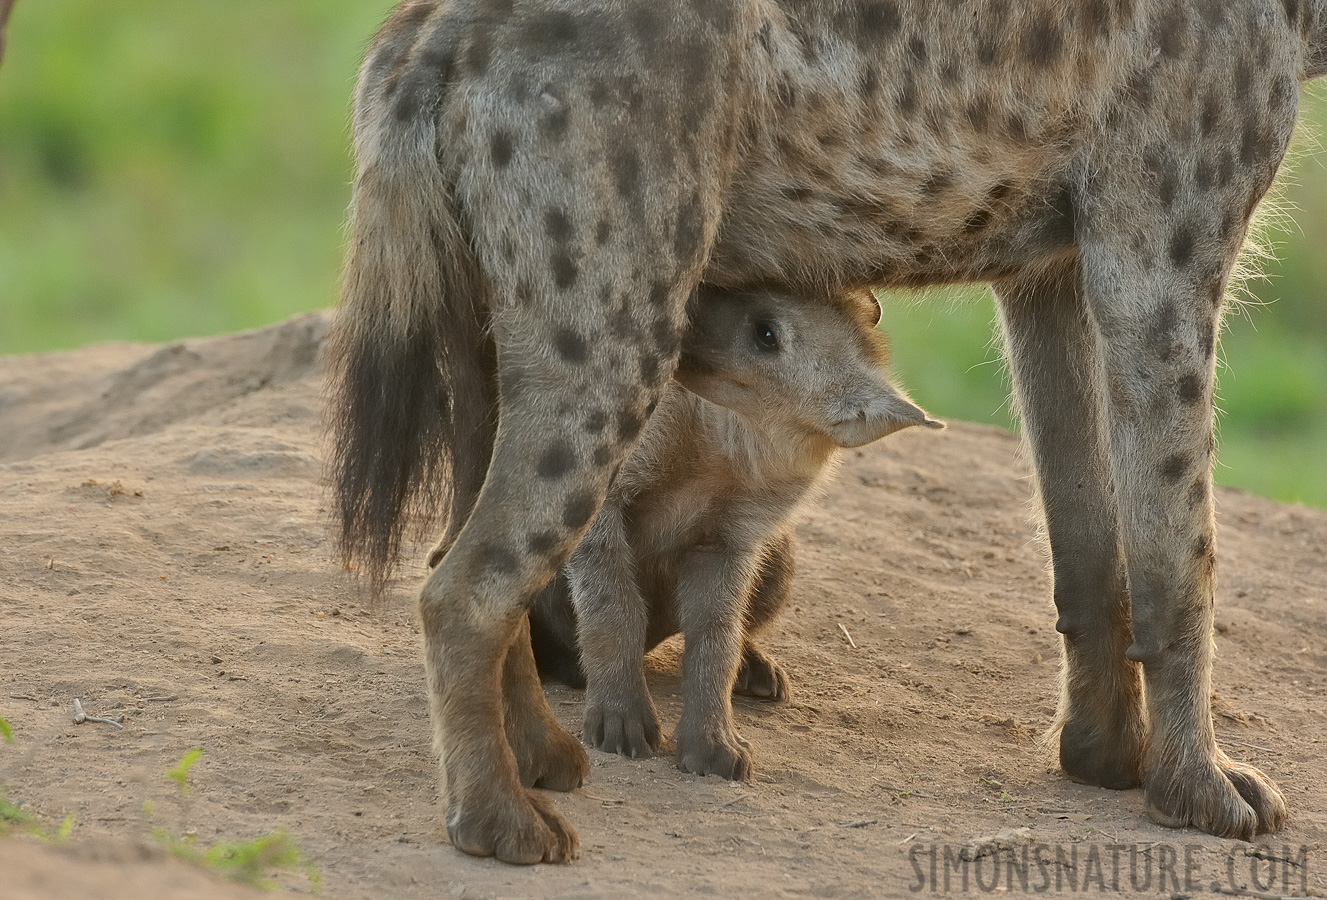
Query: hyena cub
x,y
694,535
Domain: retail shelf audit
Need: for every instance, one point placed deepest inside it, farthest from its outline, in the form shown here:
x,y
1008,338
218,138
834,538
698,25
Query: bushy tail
x,y
411,364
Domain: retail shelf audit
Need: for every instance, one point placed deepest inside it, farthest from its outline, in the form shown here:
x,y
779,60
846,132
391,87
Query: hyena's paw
x,y
521,828
721,753
548,756
623,727
1107,755
761,677
1223,797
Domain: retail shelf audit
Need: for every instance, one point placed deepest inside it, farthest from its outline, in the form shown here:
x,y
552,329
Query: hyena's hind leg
x,y
1052,355
550,470
546,755
759,675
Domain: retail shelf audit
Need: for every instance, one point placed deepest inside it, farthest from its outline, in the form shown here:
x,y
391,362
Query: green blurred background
x,y
171,169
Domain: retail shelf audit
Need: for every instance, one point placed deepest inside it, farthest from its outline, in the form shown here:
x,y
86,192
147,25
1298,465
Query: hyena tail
x,y
411,364
1315,59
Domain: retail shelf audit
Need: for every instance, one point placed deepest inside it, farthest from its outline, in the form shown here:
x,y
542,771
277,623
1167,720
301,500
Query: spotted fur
x,y
543,183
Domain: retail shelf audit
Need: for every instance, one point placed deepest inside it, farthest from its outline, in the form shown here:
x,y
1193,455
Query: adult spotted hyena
x,y
542,184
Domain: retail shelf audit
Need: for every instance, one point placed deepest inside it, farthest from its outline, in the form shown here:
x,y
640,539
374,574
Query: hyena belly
x,y
884,158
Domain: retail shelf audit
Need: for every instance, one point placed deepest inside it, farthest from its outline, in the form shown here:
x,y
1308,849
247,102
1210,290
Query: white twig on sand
x,y
80,717
851,642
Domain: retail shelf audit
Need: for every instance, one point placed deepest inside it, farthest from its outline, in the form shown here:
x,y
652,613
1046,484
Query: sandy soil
x,y
167,559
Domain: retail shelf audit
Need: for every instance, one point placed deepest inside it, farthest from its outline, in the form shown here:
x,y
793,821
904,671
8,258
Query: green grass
x,y
171,169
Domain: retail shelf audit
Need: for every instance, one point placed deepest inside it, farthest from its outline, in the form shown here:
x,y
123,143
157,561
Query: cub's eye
x,y
767,339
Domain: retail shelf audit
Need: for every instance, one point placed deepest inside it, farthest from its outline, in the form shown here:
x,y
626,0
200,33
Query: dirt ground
x,y
167,559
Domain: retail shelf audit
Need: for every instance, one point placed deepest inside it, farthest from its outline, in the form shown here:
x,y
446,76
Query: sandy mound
x,y
167,559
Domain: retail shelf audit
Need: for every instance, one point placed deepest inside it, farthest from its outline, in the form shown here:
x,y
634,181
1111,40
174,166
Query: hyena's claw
x,y
522,828
1227,799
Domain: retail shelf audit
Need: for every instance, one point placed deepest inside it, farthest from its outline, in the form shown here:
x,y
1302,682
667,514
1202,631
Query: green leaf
x,y
180,774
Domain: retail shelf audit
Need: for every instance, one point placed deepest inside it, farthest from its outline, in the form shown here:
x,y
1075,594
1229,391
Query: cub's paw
x,y
1221,797
517,827
724,754
626,728
761,677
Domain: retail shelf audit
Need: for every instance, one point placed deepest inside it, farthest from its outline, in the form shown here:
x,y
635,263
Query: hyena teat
x,y
694,535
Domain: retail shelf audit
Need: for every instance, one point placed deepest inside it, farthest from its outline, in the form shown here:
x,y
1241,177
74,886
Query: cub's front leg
x,y
713,590
613,621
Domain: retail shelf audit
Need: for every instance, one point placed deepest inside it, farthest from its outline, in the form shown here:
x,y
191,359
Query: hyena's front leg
x,y
713,589
1053,357
613,619
1157,320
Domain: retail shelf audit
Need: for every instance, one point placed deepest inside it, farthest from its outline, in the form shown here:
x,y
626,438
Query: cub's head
x,y
815,364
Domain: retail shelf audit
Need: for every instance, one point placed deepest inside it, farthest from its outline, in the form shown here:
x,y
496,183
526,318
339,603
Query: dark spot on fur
x,y
1198,492
556,461
571,346
596,422
500,148
1141,89
496,558
629,424
1163,331
877,22
938,182
1207,335
579,508
1016,128
666,338
1190,389
1097,17
798,194
543,543
978,114
565,269
603,232
649,369
1211,116
603,455
690,232
557,224
979,220
1043,42
1175,467
478,52
917,49
1204,550
626,171
787,93
907,98
1182,242
869,84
